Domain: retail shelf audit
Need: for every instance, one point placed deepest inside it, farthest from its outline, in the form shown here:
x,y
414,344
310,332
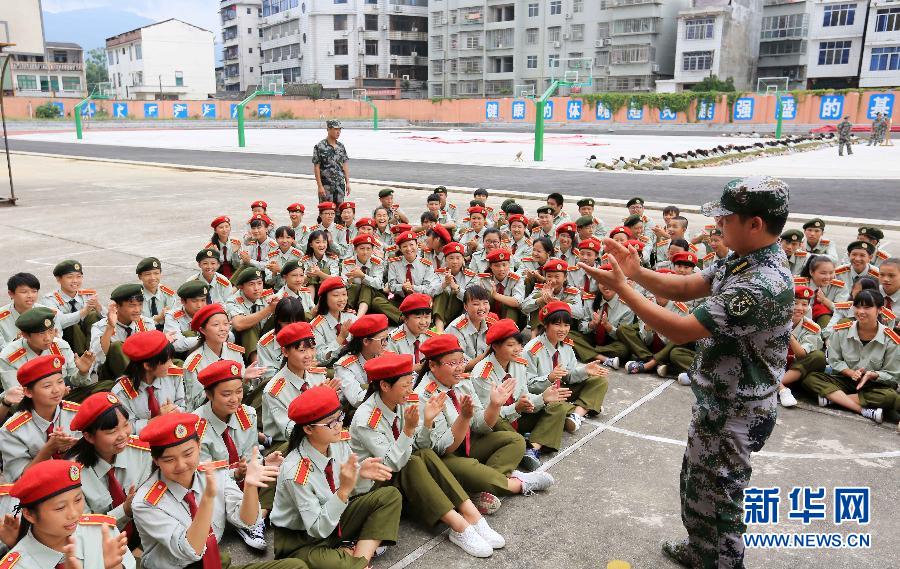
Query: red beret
x,y
259,203
501,330
346,205
555,265
592,244
313,405
330,284
564,227
364,239
803,292
204,314
415,301
400,228
621,229
144,345
665,271
368,325
477,209
326,205
366,221
260,217
404,237
638,245
554,306
606,267
297,207
518,217
170,429
685,257
39,368
388,365
442,233
453,247
498,255
222,370
440,345
294,333
91,408
45,480
219,220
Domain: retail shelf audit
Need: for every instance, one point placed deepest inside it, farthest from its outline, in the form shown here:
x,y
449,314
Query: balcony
x,y
408,60
45,66
151,89
625,3
408,36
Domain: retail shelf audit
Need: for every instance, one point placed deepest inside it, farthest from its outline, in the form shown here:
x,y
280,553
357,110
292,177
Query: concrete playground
x,y
617,478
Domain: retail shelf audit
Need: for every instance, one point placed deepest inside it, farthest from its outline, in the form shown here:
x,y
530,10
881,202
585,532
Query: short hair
x,y
869,298
285,231
22,279
680,243
433,198
545,242
673,209
774,223
315,235
867,283
427,216
257,223
555,196
895,261
681,221
558,317
480,192
490,231
515,208
288,310
375,211
476,292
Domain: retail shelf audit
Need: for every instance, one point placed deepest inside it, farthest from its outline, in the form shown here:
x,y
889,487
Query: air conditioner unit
x,y
405,77
598,43
390,75
330,52
384,28
556,44
607,41
566,36
414,54
397,8
362,52
569,16
654,68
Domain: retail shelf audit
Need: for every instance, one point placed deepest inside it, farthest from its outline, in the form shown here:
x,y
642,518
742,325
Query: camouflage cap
x,y
584,221
753,195
871,233
68,266
127,292
193,289
333,123
148,264
34,320
792,236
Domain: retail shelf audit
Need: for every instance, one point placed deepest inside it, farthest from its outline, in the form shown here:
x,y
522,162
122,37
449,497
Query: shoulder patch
x,y
801,280
430,388
461,323
277,386
58,297
70,406
888,313
222,280
376,260
243,418
274,253
430,333
141,326
10,560
318,370
843,325
663,243
535,348
18,421
167,290
195,361
801,254
398,335
201,428
892,335
136,442
17,355
588,296
842,269
235,347
54,348
97,519
838,283
469,272
374,418
844,305
175,370
127,387
426,262
874,272
316,321
811,326
4,314
155,494
484,275
571,290
568,341
4,489
212,465
682,307
882,255
302,475
178,314
522,361
393,259
349,262
267,338
709,256
348,360
514,277
487,370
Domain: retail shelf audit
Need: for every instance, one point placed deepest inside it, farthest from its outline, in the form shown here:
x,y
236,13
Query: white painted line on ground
x,y
653,206
812,455
440,538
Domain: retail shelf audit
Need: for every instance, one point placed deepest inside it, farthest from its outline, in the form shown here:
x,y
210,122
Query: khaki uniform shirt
x,y
194,395
277,396
439,436
372,435
69,312
8,316
241,426
25,433
165,298
220,289
488,372
424,279
17,352
132,466
179,323
881,354
120,335
136,398
354,381
539,355
472,340
30,553
402,341
325,331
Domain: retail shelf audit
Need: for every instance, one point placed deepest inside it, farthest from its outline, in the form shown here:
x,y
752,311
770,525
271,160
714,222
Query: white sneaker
x,y
787,398
254,537
823,401
533,481
612,362
684,378
662,370
380,550
488,534
876,415
472,543
573,422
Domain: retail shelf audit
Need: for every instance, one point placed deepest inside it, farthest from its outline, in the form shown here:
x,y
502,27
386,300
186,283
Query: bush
x,y
285,115
47,111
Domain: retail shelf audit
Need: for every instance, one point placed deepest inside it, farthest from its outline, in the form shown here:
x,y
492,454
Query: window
x,y
372,47
782,47
699,28
790,26
888,20
341,72
60,57
249,30
371,22
531,36
553,33
631,54
138,51
109,58
555,7
834,52
697,60
249,50
340,1
372,71
49,83
27,82
531,62
577,6
340,47
179,78
553,61
251,70
248,11
533,10
340,22
885,59
576,32
636,26
71,83
473,41
839,15
501,64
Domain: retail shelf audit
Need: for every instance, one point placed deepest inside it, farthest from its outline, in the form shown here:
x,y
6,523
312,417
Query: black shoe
x,y
679,552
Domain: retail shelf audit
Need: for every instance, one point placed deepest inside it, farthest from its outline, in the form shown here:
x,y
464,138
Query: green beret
x,y
147,264
634,201
584,221
632,220
871,233
717,231
66,267
290,267
385,193
868,247
37,319
193,289
792,236
586,202
441,190
247,275
207,254
506,203
127,292
545,209
815,223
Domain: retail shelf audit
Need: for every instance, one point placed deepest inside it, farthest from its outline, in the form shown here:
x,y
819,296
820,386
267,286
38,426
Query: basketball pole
x,y
539,121
778,117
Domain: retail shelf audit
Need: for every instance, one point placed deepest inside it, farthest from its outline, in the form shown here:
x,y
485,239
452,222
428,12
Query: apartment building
x,y
379,45
241,39
835,43
784,41
881,50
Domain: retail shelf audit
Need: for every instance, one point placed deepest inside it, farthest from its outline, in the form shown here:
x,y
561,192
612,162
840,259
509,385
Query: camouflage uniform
x,y
843,128
331,161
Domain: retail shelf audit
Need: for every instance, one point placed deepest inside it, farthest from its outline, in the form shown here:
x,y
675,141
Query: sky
x,y
203,13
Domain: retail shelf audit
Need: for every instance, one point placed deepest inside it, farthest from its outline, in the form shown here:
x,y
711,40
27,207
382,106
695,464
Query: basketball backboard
x,y
271,84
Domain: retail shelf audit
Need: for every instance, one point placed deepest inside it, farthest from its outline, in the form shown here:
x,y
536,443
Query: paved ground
x,y
617,493
869,198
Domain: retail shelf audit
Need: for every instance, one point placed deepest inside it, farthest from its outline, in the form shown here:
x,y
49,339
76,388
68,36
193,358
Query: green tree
x,y
95,68
713,83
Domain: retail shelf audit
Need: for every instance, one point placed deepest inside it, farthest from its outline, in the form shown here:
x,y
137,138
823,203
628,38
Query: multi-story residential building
x,y
58,72
241,39
835,44
881,52
167,60
379,45
783,41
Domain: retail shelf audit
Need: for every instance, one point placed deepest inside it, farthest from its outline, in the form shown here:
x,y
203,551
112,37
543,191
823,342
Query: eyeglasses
x,y
336,423
454,363
383,341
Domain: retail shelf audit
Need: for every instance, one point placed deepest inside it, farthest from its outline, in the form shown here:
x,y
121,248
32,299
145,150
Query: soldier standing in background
x,y
330,166
843,128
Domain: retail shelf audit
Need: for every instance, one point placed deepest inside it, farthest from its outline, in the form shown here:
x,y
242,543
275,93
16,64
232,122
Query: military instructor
x,y
330,166
741,328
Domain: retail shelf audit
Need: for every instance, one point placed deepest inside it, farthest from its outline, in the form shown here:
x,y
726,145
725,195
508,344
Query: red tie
x,y
233,457
416,351
888,302
152,402
510,401
211,559
259,252
409,277
118,495
500,290
587,283
329,476
304,387
556,363
437,261
337,328
600,331
455,401
395,428
514,247
347,238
